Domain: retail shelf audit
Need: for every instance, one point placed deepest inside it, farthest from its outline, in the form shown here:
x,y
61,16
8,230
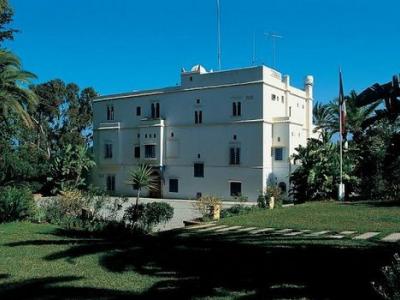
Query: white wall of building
x,y
180,142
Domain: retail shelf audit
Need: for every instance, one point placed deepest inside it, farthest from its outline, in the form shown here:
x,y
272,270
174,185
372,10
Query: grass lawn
x,y
330,216
40,261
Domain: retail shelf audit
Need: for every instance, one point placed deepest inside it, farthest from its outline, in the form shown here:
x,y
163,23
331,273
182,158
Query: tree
x,y
141,178
13,96
322,116
355,116
69,167
317,174
6,16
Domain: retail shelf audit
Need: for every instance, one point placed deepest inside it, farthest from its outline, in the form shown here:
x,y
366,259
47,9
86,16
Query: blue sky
x,y
123,45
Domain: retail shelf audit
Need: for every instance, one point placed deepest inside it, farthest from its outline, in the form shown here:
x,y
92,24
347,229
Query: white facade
x,y
241,149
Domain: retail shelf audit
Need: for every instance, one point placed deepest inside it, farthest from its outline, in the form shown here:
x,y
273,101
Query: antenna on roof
x,y
273,36
253,60
219,34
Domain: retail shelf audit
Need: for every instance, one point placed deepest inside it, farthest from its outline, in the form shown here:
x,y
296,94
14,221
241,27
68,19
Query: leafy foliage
x,y
370,163
205,203
146,216
236,210
15,204
389,286
6,16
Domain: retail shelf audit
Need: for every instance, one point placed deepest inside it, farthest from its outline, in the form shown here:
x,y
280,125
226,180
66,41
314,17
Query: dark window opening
x,y
236,189
198,101
290,111
110,183
138,110
234,156
198,195
173,185
172,134
236,109
110,112
157,110
234,137
137,151
108,151
150,151
282,186
198,170
198,117
278,153
198,155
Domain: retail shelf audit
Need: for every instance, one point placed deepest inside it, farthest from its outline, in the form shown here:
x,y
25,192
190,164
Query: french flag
x,y
342,108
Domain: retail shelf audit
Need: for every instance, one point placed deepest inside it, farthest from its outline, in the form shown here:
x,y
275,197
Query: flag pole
x,y
341,192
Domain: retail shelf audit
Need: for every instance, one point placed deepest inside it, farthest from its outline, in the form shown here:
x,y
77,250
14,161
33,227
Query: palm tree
x,y
13,95
322,116
141,178
355,116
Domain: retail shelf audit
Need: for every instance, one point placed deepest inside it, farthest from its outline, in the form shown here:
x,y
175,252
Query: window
x,y
198,170
273,97
155,110
137,151
279,139
283,99
198,195
110,183
110,112
138,135
236,188
290,111
282,186
108,151
234,137
198,101
234,156
278,153
173,185
236,109
198,117
138,110
198,155
150,151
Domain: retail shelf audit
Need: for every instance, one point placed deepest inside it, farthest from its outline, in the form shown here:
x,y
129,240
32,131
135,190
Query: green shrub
x,y
205,203
236,210
146,216
16,204
261,201
389,285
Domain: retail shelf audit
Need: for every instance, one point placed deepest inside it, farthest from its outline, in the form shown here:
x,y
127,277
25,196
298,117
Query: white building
x,y
218,133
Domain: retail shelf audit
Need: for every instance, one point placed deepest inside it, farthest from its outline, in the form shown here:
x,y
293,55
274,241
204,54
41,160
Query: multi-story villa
x,y
219,133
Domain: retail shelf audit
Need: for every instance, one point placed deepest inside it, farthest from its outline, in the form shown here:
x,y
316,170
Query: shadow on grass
x,y
202,265
48,288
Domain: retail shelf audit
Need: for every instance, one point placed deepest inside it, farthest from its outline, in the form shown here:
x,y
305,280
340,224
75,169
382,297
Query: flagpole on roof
x,y
219,34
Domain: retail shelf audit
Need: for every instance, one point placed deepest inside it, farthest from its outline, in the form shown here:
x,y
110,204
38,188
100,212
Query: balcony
x,y
146,122
109,125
